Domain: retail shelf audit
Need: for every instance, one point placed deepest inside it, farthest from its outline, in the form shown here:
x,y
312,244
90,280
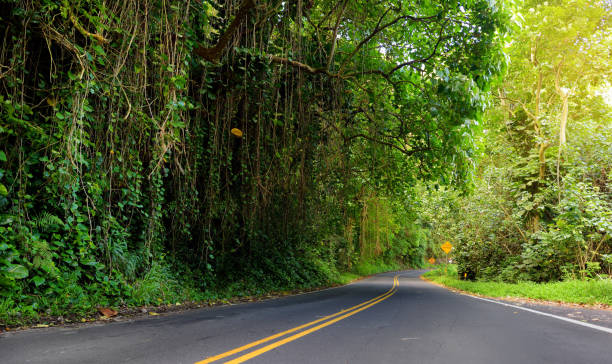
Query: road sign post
x,y
446,247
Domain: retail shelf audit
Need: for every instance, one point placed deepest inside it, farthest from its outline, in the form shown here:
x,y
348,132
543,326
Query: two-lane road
x,y
389,318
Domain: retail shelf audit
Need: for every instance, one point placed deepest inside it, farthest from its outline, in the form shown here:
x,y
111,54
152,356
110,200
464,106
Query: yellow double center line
x,y
323,322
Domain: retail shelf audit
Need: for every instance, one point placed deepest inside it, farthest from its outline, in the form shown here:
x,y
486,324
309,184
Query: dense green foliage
x,y
594,292
541,208
160,150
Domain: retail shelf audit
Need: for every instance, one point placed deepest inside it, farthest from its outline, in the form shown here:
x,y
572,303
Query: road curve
x,y
388,318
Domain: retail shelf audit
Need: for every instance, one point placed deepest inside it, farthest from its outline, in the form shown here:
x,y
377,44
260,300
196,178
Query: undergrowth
x,y
162,286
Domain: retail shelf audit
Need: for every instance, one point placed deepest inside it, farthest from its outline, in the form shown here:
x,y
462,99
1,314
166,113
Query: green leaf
x,y
99,50
17,271
3,190
2,156
38,280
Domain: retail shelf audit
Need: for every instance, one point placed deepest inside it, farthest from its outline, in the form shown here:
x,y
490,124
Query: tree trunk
x,y
564,94
542,144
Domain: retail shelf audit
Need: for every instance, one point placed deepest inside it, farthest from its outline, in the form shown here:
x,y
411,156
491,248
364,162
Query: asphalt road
x,y
385,321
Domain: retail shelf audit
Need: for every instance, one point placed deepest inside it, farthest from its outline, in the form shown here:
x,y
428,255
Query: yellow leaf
x,y
237,132
153,314
52,101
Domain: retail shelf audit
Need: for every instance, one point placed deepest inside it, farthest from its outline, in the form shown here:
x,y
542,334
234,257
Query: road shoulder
x,y
600,315
131,313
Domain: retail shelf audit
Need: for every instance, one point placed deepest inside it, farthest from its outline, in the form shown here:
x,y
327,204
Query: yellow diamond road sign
x,y
432,260
447,247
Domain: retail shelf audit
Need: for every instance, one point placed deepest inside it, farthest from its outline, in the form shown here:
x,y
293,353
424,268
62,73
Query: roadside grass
x,y
346,278
595,291
374,267
365,269
160,289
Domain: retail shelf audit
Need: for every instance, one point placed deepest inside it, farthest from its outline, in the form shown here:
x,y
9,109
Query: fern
x,y
45,221
43,257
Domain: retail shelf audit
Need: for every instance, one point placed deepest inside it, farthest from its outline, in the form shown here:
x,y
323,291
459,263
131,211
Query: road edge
x,y
144,312
602,307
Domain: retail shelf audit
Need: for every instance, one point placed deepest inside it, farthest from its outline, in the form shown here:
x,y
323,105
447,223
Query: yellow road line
x,y
303,333
275,336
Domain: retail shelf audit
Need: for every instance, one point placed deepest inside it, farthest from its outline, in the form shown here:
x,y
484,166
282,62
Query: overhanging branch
x,y
302,66
214,53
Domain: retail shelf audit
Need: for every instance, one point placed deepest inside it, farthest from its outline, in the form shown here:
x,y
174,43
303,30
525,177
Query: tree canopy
x,y
542,207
